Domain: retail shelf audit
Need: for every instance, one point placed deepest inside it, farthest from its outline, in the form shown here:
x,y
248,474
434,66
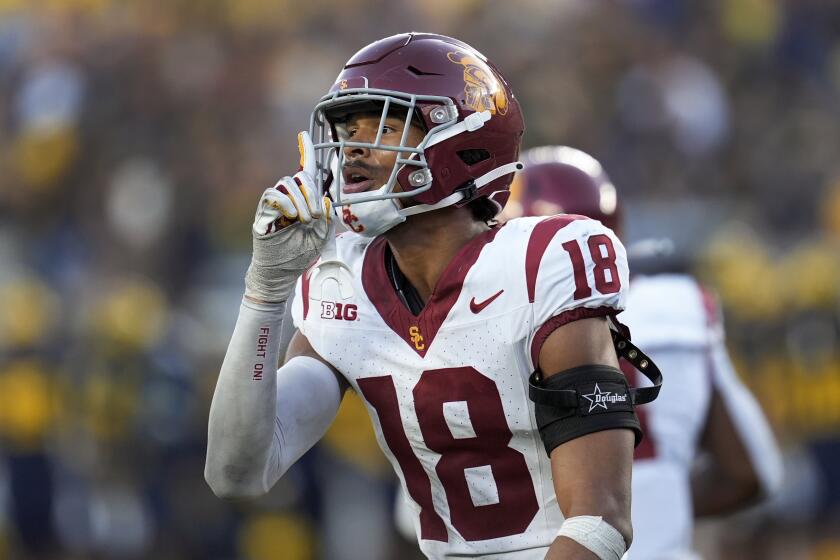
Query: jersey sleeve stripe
x,y
541,236
558,321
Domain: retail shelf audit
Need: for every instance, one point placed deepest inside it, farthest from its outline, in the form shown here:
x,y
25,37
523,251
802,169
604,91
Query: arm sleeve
x,y
582,272
262,419
308,398
750,422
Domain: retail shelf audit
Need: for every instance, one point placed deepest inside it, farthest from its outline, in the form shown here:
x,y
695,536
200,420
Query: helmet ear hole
x,y
473,156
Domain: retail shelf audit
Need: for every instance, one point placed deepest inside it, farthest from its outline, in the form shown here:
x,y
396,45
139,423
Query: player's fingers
x,y
289,187
279,200
307,189
328,210
307,153
274,209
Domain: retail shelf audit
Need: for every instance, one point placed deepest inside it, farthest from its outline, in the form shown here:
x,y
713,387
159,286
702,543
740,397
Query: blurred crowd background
x,y
136,136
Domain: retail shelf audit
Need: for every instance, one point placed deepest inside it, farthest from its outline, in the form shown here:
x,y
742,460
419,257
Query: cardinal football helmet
x,y
473,127
559,179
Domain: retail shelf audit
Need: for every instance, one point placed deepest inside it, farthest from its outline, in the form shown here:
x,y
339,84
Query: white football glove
x,y
291,226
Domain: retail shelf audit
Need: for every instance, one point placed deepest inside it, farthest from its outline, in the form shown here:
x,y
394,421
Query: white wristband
x,y
596,535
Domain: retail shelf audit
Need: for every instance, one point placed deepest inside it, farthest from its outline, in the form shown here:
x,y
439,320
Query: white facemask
x,y
375,217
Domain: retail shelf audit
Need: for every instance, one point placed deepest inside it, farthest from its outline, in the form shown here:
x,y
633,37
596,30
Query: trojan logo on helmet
x,y
471,122
481,87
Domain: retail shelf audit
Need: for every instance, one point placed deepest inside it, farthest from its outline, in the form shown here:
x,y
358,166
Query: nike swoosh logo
x,y
477,307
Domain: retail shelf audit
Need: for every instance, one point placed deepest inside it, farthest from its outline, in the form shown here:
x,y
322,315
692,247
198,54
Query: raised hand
x,y
291,226
293,199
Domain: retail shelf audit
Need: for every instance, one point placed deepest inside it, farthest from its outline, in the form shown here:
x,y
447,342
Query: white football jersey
x,y
447,390
678,325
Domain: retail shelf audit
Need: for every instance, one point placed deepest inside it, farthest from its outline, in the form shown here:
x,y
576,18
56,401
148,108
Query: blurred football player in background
x,y
417,141
708,448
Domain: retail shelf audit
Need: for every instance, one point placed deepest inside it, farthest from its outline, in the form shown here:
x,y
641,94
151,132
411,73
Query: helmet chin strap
x,y
458,196
421,208
378,216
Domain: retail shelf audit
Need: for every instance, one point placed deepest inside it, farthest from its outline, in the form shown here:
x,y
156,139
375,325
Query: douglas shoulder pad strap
x,y
627,350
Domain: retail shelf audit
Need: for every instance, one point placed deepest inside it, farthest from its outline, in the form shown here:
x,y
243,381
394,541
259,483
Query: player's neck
x,y
426,243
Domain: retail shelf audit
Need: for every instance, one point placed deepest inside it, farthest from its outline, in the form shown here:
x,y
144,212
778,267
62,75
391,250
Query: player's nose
x,y
362,136
352,153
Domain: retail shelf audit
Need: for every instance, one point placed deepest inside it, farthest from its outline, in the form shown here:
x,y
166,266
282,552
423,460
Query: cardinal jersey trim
x,y
418,331
559,320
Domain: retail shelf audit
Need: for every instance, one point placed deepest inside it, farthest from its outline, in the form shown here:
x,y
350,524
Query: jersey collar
x,y
418,331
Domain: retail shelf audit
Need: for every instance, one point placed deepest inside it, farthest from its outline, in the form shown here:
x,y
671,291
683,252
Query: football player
x,y
708,449
436,317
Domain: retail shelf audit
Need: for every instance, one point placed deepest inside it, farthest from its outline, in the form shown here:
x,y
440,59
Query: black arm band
x,y
581,401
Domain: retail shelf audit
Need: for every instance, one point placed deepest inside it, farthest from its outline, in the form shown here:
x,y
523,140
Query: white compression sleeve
x,y
253,436
308,397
